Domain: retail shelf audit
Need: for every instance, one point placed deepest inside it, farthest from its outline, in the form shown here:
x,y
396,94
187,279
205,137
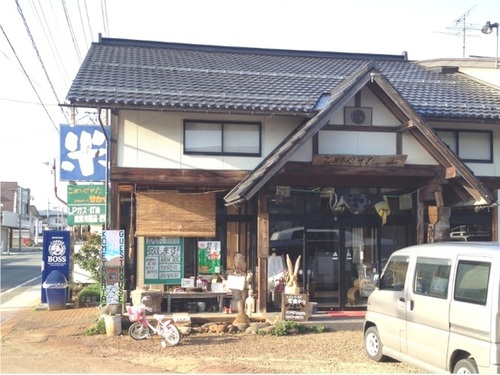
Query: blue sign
x,y
83,153
56,254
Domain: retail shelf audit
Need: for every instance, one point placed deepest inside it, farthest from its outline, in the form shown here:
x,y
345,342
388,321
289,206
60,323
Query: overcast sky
x,y
43,42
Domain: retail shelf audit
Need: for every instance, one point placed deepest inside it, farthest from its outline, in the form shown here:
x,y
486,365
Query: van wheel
x,y
373,344
466,366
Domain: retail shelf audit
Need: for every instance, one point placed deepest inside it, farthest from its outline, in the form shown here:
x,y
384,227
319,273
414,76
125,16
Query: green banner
x,y
209,257
86,204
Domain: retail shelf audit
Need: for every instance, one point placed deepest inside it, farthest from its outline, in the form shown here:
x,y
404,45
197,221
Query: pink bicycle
x,y
142,329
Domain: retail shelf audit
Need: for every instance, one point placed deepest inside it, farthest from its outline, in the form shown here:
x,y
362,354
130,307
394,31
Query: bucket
x,y
191,307
113,325
313,307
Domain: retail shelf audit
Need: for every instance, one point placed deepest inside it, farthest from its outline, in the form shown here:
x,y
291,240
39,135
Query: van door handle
x,y
401,303
412,304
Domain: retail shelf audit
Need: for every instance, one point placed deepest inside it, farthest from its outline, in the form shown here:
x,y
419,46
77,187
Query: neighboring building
x,y
17,222
55,219
341,154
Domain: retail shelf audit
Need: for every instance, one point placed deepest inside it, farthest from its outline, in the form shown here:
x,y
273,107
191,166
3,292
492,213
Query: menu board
x,y
163,260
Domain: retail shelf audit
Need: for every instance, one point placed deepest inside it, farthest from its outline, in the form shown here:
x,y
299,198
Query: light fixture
x,y
488,29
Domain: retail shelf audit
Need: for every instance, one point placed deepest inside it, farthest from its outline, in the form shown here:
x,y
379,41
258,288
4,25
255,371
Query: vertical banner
x,y
164,260
55,256
113,263
209,257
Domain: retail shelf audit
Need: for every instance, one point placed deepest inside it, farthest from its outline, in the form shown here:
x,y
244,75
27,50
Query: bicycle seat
x,y
159,316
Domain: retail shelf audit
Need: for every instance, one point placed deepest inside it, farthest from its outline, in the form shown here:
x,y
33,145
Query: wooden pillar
x,y
262,252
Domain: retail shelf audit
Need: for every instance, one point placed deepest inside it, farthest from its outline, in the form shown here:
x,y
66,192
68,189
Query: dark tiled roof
x,y
127,73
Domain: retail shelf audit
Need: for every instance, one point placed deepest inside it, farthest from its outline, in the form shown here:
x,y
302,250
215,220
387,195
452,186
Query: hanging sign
x,y
209,257
86,204
163,260
113,263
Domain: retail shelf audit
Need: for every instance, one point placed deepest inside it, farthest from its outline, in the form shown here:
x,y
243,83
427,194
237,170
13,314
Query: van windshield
x,y
394,276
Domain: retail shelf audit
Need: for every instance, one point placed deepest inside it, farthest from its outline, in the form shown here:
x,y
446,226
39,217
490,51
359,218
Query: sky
x,y
43,42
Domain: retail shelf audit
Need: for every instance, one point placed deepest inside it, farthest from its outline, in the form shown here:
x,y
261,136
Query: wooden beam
x,y
172,177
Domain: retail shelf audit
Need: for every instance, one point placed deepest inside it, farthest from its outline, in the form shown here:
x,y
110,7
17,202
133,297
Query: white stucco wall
x,y
154,140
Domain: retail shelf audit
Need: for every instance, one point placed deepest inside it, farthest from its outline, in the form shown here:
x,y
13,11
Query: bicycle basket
x,y
134,313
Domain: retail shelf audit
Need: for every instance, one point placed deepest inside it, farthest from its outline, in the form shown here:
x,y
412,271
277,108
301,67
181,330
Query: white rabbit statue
x,y
292,286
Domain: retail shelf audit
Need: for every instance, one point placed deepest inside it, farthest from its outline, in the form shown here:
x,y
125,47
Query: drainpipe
x,y
106,187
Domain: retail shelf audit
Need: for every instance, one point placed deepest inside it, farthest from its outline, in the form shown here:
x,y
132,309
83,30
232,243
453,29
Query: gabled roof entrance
x,y
460,184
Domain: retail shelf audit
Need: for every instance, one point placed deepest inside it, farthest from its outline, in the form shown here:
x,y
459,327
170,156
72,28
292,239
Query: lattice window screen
x,y
174,214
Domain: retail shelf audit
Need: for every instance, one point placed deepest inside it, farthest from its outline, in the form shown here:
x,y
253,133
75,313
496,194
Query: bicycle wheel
x,y
171,334
138,331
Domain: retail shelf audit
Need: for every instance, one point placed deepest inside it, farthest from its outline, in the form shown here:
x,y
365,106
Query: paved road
x,y
20,280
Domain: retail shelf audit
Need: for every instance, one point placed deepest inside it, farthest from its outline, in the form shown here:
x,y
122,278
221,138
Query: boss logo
x,y
57,251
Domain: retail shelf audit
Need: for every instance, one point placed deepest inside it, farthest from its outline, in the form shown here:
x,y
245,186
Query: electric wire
x,y
28,77
50,39
83,24
39,57
88,20
104,12
71,31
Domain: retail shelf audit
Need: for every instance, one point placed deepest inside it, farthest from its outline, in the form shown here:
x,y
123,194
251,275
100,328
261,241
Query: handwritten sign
x,y
163,260
295,307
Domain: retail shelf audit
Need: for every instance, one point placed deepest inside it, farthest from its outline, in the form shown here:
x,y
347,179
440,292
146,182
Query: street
x,y
20,280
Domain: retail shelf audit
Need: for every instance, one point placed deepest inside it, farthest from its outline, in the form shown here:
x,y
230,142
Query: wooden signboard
x,y
361,160
295,307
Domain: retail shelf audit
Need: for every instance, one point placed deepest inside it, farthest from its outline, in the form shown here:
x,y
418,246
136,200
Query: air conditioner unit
x,y
357,116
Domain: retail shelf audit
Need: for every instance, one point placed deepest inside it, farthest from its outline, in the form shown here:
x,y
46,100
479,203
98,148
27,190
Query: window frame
x,y
471,298
223,124
456,133
432,285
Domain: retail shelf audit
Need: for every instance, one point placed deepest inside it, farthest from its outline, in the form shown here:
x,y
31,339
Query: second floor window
x,y
470,146
222,138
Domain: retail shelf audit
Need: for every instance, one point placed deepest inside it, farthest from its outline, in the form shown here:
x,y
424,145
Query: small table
x,y
194,295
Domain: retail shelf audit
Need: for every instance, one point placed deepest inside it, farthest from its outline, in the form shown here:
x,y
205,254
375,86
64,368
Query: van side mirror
x,y
376,280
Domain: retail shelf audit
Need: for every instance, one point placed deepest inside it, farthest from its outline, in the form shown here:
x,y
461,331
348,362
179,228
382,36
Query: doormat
x,y
346,314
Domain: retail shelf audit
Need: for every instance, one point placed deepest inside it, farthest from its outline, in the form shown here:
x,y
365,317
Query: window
x,y
472,282
222,138
395,274
432,277
470,146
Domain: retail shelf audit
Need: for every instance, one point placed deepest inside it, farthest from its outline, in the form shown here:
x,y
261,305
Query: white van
x,y
436,306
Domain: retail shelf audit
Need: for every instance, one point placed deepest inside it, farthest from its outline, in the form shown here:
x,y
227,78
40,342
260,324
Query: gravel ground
x,y
67,350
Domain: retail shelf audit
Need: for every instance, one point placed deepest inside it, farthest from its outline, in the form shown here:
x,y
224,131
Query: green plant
x,y
285,328
88,257
321,329
90,290
98,329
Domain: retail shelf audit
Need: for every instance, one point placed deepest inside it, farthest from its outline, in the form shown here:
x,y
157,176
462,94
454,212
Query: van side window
x,y
472,282
432,277
395,274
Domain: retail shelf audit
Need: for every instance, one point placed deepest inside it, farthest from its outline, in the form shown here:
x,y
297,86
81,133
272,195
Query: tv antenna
x,y
461,27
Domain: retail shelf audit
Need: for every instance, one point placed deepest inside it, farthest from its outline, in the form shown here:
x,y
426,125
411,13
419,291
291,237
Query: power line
x,y
88,20
29,80
71,31
83,25
50,39
104,12
39,57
